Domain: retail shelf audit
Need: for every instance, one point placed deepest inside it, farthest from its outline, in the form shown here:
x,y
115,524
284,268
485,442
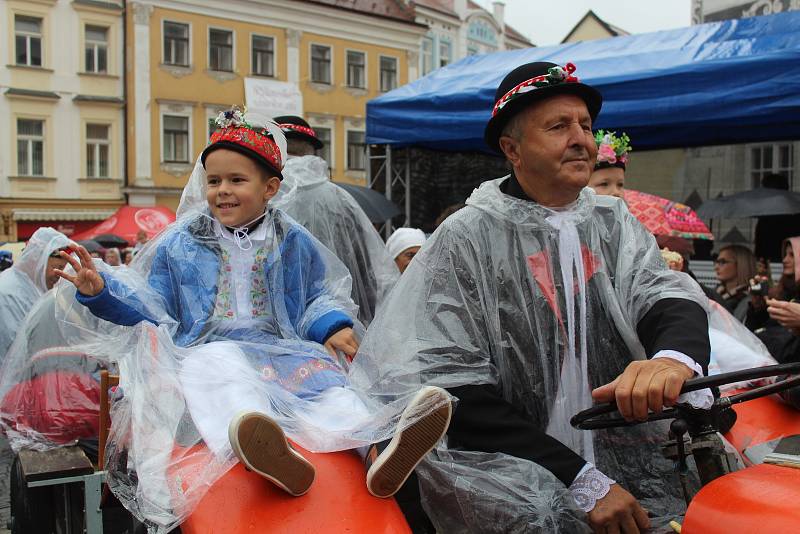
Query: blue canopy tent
x,y
718,83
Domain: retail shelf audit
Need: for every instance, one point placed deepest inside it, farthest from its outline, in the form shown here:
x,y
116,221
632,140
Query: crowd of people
x,y
271,312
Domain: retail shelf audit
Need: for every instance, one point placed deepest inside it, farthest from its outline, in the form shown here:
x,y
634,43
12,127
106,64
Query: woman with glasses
x,y
735,266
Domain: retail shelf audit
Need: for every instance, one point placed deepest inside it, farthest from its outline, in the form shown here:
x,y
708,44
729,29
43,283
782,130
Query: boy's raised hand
x,y
86,278
343,340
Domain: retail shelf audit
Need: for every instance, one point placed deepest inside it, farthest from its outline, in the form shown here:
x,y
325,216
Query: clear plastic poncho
x,y
733,346
26,281
335,218
50,378
189,362
544,305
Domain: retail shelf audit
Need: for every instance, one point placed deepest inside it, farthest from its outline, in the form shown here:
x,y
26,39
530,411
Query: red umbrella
x,y
665,217
128,221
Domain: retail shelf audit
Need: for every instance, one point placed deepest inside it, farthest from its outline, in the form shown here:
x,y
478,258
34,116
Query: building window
x,y
356,62
444,53
176,139
324,135
320,64
30,147
176,44
388,73
356,151
220,50
772,159
96,43
28,39
263,56
427,55
97,150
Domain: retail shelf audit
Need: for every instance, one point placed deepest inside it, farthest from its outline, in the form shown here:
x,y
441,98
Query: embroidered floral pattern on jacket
x,y
222,307
258,285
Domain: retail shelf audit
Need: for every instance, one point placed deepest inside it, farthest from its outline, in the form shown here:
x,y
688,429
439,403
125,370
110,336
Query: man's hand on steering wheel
x,y
651,384
618,513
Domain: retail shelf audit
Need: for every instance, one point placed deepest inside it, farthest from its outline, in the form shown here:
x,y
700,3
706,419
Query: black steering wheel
x,y
596,416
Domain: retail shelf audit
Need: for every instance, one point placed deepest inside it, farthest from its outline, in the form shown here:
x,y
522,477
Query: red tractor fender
x,y
338,502
760,498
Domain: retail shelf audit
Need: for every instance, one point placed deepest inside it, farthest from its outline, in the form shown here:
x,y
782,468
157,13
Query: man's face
x,y
50,276
404,258
556,151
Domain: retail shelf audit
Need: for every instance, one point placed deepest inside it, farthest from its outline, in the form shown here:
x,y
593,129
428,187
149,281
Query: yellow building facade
x,y
190,60
62,145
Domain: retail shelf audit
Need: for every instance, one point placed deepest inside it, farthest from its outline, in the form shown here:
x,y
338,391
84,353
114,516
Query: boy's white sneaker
x,y
261,445
391,468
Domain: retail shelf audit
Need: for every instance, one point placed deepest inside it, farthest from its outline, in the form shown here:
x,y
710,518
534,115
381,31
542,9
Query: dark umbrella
x,y
91,245
754,203
734,236
377,207
110,241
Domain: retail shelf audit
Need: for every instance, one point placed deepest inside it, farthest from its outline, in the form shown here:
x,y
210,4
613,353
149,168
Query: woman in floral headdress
x,y
608,177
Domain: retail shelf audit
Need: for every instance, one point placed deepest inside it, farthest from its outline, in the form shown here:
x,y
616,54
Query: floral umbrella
x,y
665,217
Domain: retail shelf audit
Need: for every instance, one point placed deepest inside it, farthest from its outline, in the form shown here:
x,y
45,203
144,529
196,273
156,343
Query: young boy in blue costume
x,y
255,299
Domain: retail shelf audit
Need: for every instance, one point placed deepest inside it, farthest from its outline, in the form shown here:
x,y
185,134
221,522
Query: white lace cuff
x,y
703,398
589,487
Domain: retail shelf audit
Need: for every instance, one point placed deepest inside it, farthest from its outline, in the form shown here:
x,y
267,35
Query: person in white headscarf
x,y
243,325
28,279
403,245
536,299
333,216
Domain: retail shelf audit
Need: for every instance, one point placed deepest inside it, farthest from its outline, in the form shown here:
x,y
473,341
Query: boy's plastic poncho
x,y
25,282
488,300
177,353
335,218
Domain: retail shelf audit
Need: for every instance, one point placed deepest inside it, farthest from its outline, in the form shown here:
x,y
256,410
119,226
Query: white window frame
x,y
30,140
396,72
331,146
95,46
233,47
274,55
28,36
775,166
189,143
365,72
331,67
97,143
347,132
430,39
188,43
449,44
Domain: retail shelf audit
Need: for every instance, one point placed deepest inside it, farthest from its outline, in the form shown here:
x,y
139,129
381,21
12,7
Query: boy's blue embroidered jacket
x,y
184,276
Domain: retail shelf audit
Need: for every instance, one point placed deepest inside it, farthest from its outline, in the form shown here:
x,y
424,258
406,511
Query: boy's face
x,y
237,190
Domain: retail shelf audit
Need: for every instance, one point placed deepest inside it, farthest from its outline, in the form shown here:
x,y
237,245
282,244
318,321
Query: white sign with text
x,y
272,98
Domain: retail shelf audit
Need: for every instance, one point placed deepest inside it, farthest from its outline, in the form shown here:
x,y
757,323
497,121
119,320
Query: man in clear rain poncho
x,y
27,280
230,324
521,304
332,215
